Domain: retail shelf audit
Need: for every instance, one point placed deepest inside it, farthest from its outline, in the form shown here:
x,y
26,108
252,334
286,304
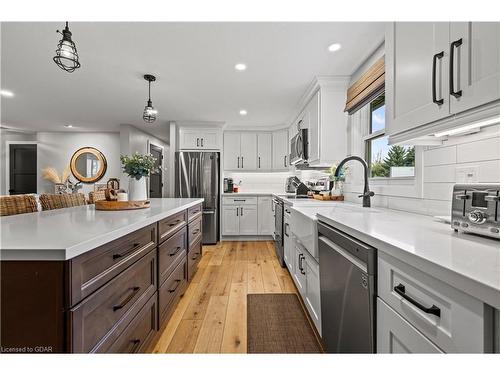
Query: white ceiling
x,y
194,65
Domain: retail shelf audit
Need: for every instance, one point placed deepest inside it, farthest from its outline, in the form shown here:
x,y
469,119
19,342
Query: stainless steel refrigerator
x,y
197,175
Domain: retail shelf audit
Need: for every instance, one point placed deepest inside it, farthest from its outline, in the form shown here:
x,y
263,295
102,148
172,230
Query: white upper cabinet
x,y
281,157
264,151
476,70
414,50
199,139
232,156
436,73
322,113
248,151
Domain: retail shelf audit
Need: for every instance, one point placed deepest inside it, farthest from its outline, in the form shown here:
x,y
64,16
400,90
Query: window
x,y
385,160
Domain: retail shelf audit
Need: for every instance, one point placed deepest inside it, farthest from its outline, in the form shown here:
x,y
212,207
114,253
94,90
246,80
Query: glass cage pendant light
x,y
66,56
149,114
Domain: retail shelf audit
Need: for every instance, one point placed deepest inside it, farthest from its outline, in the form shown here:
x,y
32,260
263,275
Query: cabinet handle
x,y
174,223
135,345
238,161
202,142
241,208
259,161
177,283
434,310
197,142
242,162
124,303
286,226
240,200
196,257
177,249
454,45
434,63
285,161
195,232
125,253
237,211
301,268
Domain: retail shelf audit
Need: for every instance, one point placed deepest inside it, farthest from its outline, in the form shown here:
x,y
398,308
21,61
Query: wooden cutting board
x,y
121,205
328,197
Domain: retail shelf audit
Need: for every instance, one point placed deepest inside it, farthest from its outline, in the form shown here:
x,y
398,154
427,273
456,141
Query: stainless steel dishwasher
x,y
347,269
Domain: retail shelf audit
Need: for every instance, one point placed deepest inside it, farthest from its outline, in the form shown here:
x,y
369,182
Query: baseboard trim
x,y
247,238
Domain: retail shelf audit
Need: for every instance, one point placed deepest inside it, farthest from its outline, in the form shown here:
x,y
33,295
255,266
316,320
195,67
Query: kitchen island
x,y
77,280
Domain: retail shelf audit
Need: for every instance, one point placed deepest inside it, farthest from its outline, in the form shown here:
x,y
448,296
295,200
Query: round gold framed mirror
x,y
88,165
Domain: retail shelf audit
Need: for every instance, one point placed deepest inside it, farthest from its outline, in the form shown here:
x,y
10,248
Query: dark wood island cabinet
x,y
112,299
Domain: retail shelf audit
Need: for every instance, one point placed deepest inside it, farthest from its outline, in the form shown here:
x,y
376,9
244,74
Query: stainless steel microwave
x,y
298,148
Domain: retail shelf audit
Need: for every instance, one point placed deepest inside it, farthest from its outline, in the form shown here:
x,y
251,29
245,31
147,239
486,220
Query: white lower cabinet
x,y
396,335
266,216
453,321
305,274
230,220
248,220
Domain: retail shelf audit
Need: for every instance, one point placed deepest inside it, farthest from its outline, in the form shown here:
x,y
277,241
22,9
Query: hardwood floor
x,y
211,316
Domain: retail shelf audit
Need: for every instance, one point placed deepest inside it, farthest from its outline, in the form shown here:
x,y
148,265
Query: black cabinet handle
x,y
242,162
195,232
453,46
125,253
241,208
196,257
259,161
202,142
197,142
285,161
135,345
434,310
286,226
301,268
177,249
174,223
124,303
434,63
238,161
177,283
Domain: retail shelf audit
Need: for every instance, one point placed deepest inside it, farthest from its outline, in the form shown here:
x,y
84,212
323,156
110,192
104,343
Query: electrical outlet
x,y
465,175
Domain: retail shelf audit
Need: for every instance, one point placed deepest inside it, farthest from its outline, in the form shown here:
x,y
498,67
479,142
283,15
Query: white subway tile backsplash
x,y
440,156
486,149
439,173
489,171
440,190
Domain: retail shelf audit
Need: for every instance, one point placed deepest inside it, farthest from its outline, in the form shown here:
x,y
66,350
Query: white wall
x,y
367,63
9,136
134,140
56,148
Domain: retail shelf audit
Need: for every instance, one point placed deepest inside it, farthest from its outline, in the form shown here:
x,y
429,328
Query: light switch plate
x,y
465,175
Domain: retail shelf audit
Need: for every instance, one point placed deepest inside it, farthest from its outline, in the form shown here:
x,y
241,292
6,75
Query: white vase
x,y
137,190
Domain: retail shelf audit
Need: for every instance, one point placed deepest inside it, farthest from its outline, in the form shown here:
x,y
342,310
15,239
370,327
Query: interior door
x,y
476,70
264,151
412,49
22,168
248,151
232,157
155,179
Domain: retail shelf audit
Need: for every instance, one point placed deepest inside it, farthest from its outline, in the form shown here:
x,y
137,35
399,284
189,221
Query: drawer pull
x,y
434,310
196,257
195,232
124,303
177,283
121,255
178,248
135,345
174,223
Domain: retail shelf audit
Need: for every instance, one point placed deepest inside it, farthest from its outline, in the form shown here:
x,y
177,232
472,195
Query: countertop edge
x,y
81,248
483,292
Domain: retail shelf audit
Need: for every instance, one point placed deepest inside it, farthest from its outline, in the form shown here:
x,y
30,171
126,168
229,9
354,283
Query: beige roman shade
x,y
367,87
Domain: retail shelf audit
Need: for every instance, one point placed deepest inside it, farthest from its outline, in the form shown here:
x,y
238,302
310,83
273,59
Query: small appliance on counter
x,y
320,185
475,208
295,186
228,185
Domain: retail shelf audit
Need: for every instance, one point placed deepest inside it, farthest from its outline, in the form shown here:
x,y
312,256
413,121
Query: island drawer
x,y
105,311
170,253
138,335
171,290
95,268
194,257
451,319
194,231
170,225
194,212
240,201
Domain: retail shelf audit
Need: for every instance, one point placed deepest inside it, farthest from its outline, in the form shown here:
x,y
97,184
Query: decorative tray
x,y
121,205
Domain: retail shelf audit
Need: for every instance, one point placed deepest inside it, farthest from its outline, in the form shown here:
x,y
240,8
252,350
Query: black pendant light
x,y
66,56
149,114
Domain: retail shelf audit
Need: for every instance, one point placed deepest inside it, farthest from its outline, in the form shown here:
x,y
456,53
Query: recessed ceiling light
x,y
6,93
68,126
240,67
334,47
243,112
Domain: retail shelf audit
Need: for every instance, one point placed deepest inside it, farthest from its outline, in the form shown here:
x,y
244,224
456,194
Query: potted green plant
x,y
137,167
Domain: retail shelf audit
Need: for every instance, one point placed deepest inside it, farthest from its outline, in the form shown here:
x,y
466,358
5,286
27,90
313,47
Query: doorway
x,y
22,169
156,179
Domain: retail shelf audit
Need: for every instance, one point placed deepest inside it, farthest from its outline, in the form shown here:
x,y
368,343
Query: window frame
x,y
370,136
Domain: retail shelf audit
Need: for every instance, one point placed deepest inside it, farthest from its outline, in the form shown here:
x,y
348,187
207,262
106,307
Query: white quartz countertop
x,y
66,233
465,261
255,193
